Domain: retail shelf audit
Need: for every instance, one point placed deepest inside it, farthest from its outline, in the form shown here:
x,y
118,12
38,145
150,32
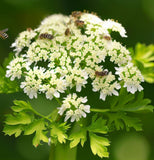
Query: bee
x,y
67,32
29,29
101,74
3,35
79,23
108,38
46,36
76,14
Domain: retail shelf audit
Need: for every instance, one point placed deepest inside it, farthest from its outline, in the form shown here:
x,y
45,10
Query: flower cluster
x,y
74,107
132,77
70,59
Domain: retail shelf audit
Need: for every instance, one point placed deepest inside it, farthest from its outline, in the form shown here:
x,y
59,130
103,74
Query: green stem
x,y
45,117
99,110
58,100
62,152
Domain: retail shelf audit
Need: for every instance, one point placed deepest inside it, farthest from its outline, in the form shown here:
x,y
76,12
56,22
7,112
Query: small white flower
x,y
115,26
49,141
132,77
23,40
74,107
15,68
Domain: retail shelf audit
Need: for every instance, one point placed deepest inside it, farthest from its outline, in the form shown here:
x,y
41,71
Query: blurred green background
x,y
137,16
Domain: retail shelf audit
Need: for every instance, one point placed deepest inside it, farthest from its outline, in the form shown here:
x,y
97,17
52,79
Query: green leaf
x,y
10,130
18,118
130,102
98,125
98,145
7,86
37,126
58,132
20,106
77,137
8,59
122,120
143,57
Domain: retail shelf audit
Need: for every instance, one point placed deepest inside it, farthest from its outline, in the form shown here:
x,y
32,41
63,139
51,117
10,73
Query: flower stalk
x,y
62,152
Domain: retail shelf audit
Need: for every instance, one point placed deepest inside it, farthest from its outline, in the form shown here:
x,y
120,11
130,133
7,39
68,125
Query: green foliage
x,y
14,129
37,127
99,145
123,106
23,119
121,120
98,125
130,102
18,118
6,85
20,106
143,57
79,136
58,132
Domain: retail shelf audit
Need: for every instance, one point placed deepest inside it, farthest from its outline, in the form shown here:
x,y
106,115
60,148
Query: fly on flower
x,y
79,23
67,32
101,74
29,29
46,36
108,38
76,14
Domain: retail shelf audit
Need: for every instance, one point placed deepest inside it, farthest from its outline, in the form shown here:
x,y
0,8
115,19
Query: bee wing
x,y
4,30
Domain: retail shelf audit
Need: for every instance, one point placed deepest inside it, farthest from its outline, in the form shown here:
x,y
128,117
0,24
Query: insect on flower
x,y
101,74
79,23
108,38
67,32
76,14
46,36
3,35
29,29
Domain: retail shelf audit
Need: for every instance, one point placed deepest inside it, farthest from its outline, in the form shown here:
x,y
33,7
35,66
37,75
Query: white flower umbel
x,y
68,56
74,107
132,77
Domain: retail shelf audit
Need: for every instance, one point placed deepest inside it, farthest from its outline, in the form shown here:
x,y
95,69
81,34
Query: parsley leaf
x,y
18,118
143,57
99,145
121,120
58,132
10,130
37,127
77,137
98,125
130,102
